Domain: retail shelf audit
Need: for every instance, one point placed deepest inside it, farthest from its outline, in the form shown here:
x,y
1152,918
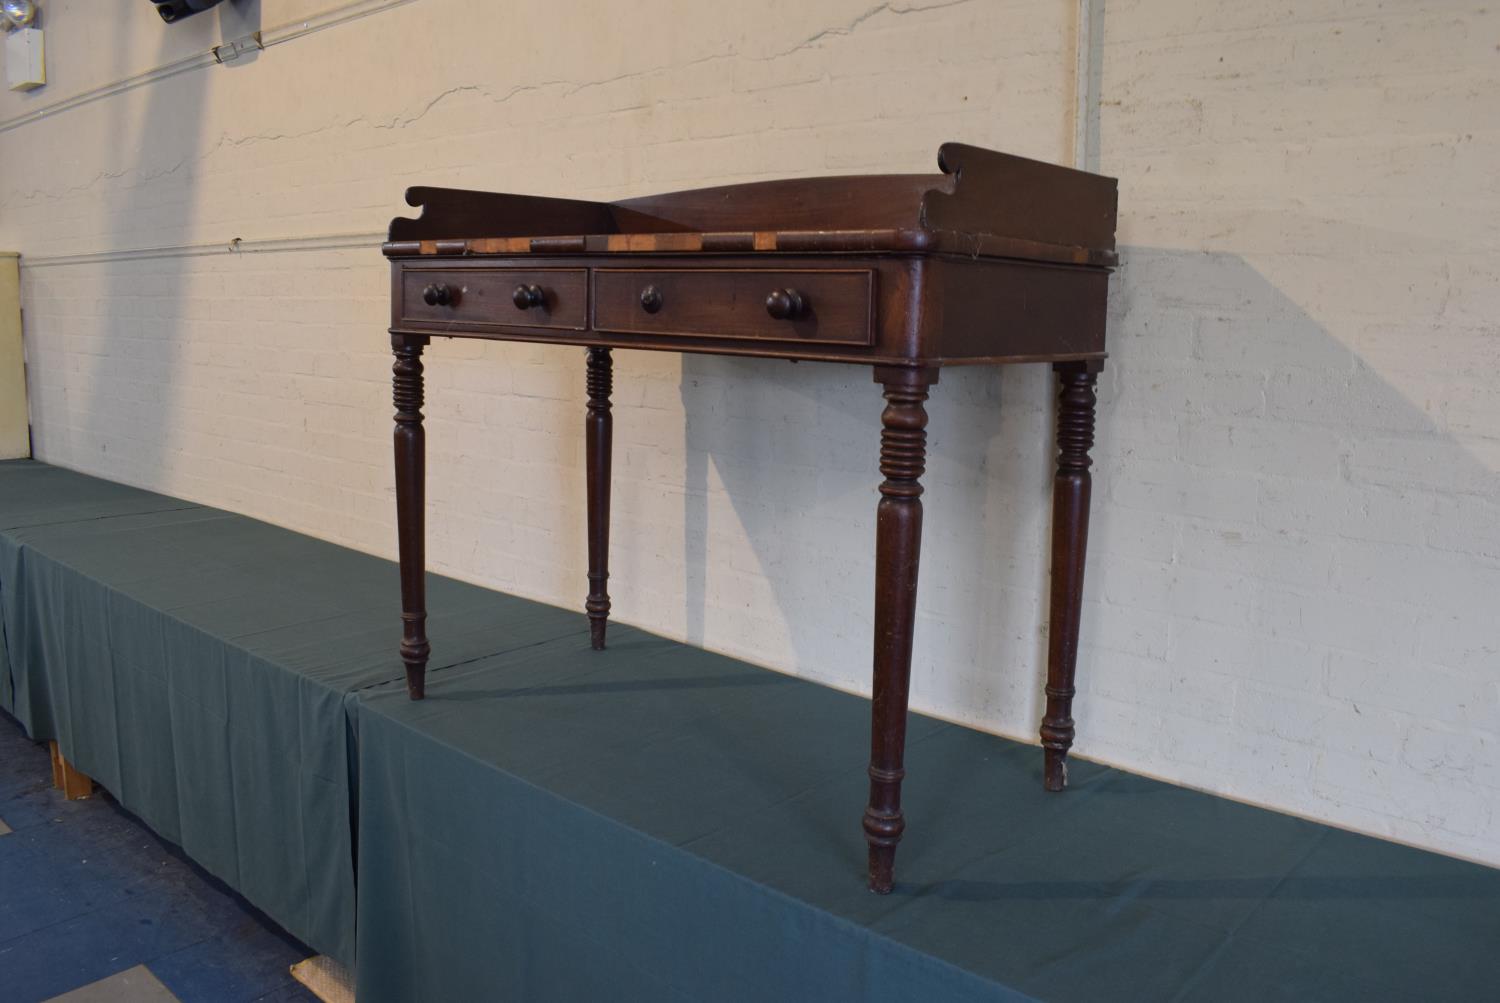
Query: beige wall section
x,y
1295,557
15,436
1302,510
92,44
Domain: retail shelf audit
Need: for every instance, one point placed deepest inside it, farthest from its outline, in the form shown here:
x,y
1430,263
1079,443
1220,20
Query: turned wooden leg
x,y
599,433
411,461
1070,533
898,542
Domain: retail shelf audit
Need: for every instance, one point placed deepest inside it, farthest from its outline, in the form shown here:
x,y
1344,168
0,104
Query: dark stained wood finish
x,y
485,298
878,202
1001,195
984,203
997,260
924,309
738,303
762,242
698,318
1070,531
449,213
598,445
898,545
1021,309
411,481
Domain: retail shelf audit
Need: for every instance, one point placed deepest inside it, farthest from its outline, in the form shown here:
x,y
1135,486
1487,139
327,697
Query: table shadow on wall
x,y
795,448
175,119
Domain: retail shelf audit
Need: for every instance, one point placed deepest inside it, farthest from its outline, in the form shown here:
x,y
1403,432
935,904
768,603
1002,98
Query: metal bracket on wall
x,y
237,47
265,39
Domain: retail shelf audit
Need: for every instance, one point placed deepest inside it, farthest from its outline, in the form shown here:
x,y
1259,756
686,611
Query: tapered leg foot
x,y
416,682
1055,772
883,832
898,541
882,869
414,652
599,435
1070,530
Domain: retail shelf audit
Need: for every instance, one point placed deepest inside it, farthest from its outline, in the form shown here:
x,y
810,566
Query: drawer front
x,y
495,297
826,306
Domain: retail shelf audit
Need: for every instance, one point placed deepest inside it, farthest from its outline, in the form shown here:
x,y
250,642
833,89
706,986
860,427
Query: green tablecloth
x,y
655,822
195,663
651,822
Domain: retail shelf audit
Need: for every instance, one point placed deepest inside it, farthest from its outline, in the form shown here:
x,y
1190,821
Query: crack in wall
x,y
849,29
564,88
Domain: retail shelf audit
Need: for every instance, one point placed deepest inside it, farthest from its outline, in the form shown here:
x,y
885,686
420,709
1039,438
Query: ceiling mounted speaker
x,y
176,10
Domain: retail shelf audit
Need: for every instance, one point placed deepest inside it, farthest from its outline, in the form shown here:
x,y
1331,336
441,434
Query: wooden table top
x,y
983,205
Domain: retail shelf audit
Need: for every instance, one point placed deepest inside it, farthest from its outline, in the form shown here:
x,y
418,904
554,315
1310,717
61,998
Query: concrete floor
x,y
94,907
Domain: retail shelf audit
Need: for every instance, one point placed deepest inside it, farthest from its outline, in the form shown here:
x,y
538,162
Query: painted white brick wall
x,y
1304,351
1296,547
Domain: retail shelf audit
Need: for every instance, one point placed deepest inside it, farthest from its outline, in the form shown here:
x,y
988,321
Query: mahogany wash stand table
x,y
997,260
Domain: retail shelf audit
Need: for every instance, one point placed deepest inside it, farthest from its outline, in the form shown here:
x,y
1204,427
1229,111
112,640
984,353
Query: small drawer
x,y
826,306
495,297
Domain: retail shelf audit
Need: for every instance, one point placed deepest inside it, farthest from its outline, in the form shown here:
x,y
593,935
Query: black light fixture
x,y
176,10
17,14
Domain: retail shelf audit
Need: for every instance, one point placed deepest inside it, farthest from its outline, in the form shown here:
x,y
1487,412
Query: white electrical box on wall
x,y
25,65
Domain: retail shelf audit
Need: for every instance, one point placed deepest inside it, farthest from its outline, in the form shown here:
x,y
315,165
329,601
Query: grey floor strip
x,y
133,985
325,979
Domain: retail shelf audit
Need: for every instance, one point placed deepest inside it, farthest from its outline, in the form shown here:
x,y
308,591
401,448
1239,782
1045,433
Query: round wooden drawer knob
x,y
526,297
787,304
651,299
437,294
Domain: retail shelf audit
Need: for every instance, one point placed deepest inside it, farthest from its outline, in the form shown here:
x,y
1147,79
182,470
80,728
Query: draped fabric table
x,y
195,662
559,823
